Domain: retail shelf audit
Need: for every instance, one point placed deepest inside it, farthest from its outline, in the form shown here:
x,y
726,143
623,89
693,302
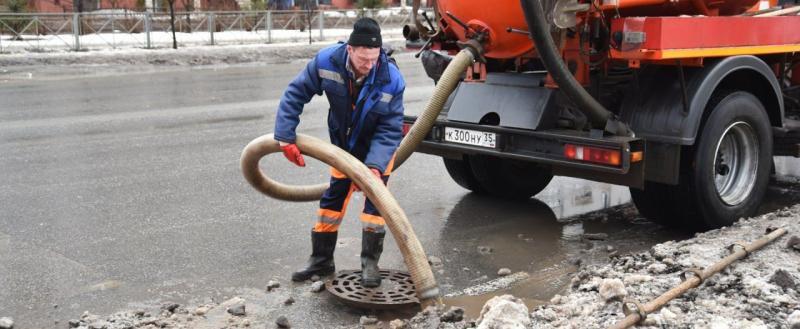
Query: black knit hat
x,y
366,32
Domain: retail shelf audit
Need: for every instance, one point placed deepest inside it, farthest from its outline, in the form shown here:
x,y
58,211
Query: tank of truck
x,y
497,17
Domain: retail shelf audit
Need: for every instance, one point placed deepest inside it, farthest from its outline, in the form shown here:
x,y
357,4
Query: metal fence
x,y
129,29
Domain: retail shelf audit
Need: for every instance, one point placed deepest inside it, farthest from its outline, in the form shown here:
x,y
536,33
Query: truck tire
x,y
510,179
731,162
461,172
727,171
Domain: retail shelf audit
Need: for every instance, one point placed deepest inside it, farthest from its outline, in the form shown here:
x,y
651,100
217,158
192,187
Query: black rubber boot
x,y
321,261
371,249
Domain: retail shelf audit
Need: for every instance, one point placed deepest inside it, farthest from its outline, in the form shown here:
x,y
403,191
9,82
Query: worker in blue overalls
x,y
365,92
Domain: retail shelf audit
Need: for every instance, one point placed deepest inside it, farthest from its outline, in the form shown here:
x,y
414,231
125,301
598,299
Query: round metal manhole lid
x,y
396,290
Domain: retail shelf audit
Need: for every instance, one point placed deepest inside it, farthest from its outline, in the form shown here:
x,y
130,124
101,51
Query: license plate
x,y
470,137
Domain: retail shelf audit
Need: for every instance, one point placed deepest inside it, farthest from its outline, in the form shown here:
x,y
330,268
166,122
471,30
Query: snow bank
x,y
188,56
759,291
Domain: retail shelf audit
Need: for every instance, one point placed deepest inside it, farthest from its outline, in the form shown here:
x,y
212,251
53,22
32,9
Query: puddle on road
x,y
529,237
472,305
539,239
570,196
533,290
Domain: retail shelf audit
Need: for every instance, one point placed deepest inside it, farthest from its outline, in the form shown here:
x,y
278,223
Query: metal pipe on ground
x,y
414,256
639,312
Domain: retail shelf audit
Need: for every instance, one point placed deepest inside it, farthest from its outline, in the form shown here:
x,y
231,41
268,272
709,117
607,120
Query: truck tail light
x,y
593,154
406,128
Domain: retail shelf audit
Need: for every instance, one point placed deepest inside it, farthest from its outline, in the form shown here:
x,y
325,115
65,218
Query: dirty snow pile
x,y
759,291
231,313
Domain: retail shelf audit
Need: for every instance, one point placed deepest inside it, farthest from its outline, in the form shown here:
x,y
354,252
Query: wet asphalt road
x,y
124,191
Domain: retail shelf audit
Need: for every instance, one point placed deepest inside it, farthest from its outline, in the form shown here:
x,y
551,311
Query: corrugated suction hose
x,y
396,220
535,17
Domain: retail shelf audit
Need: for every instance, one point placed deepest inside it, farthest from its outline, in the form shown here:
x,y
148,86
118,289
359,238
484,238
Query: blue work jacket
x,y
373,129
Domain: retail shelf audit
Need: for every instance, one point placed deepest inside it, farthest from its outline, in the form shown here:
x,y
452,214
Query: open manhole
x,y
396,290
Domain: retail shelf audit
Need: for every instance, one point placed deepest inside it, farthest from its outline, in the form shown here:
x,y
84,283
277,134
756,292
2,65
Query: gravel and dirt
x,y
759,291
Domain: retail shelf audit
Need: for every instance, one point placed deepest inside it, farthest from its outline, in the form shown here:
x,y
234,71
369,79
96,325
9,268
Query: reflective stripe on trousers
x,y
333,205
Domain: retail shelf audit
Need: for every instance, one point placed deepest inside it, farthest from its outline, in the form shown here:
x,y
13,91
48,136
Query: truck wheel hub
x,y
736,163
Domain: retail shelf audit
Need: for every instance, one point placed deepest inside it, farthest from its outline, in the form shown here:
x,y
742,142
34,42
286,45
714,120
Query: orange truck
x,y
684,101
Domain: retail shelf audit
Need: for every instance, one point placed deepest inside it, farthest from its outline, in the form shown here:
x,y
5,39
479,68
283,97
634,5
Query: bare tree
x,y
188,6
309,12
172,22
370,3
18,6
308,6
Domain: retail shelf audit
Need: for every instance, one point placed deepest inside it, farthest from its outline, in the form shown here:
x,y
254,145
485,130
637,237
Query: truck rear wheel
x,y
728,173
461,172
507,178
732,160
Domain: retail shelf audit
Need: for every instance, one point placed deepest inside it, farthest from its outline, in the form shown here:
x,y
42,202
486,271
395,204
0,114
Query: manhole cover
x,y
396,290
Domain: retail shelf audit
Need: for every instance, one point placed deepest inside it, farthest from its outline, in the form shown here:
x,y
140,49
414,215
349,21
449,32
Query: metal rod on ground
x,y
738,251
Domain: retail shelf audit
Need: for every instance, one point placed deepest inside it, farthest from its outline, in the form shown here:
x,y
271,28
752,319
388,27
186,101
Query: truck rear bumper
x,y
544,147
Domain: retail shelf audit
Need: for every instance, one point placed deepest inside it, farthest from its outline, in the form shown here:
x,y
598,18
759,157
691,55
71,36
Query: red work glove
x,y
375,172
292,153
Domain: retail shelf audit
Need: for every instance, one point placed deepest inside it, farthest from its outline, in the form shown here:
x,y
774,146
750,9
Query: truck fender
x,y
655,110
